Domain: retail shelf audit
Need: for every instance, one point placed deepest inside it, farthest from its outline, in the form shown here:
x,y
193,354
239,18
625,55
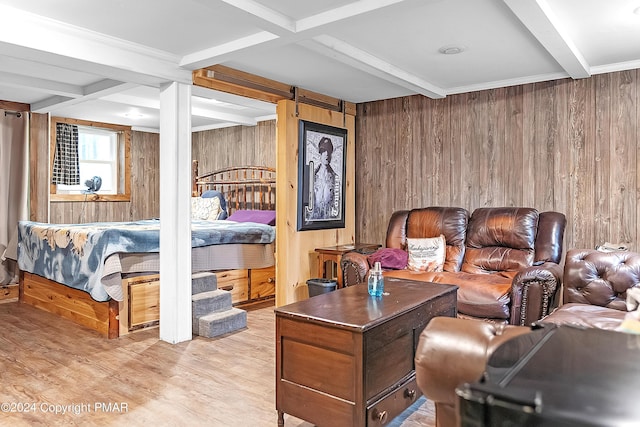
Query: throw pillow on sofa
x,y
389,258
426,254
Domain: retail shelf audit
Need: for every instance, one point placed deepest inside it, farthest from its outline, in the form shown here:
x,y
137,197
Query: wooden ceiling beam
x,y
201,78
225,79
14,106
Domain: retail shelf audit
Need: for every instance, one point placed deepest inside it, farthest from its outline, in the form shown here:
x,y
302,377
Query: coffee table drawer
x,y
394,403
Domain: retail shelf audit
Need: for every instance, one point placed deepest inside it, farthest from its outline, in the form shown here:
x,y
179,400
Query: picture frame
x,y
322,168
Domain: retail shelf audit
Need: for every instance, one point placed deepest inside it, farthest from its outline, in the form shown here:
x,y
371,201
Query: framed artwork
x,y
322,170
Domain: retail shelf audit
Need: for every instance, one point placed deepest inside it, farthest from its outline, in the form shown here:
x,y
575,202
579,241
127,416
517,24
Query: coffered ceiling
x,y
105,60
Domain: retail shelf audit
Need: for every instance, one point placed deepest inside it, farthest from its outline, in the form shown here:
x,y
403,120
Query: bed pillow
x,y
389,258
426,254
209,194
206,209
262,217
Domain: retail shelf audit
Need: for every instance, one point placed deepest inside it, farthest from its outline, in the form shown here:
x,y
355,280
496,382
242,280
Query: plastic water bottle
x,y
376,281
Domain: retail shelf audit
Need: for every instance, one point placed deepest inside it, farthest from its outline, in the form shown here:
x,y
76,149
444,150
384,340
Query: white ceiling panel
x,y
612,35
177,27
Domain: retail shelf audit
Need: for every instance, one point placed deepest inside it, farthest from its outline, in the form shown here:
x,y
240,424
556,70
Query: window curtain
x,y
66,165
14,175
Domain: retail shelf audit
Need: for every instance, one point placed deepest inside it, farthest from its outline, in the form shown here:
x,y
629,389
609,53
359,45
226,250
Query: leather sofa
x,y
453,351
504,260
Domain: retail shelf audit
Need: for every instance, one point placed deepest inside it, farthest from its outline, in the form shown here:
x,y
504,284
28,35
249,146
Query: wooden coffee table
x,y
347,359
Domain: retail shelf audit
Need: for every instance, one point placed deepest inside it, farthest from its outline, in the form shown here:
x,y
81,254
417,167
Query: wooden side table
x,y
334,254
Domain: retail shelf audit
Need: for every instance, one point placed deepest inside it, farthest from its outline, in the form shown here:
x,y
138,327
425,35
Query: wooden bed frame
x,y
244,187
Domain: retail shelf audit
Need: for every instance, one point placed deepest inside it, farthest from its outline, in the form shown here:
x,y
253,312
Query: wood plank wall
x,y
235,146
566,145
214,149
39,169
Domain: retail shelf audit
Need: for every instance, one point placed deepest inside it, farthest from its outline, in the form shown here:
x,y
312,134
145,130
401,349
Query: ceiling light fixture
x,y
451,50
208,100
134,115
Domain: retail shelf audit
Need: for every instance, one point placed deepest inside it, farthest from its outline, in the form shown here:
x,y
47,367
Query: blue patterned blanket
x,y
74,254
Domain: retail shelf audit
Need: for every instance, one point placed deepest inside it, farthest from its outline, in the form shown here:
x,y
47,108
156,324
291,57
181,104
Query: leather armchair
x,y
595,288
453,351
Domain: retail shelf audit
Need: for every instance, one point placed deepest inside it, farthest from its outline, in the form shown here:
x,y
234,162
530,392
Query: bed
x,y
97,274
250,193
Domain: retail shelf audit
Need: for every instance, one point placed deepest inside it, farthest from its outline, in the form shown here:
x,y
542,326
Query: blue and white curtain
x,y
66,165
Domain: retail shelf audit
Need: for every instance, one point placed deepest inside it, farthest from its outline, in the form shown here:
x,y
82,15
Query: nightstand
x,y
334,255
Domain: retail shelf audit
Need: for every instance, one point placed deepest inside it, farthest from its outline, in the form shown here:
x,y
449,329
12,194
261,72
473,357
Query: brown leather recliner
x,y
505,261
452,351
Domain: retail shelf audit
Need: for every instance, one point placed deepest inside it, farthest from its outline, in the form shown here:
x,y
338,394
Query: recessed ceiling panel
x,y
605,32
298,66
496,47
21,95
111,112
46,71
178,27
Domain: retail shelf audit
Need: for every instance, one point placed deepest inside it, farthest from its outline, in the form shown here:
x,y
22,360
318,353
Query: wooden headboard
x,y
244,187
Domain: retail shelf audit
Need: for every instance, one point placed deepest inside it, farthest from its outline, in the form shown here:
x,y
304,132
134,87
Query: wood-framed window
x,y
105,150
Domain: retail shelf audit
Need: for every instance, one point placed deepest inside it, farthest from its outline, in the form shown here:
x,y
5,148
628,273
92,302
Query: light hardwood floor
x,y
50,364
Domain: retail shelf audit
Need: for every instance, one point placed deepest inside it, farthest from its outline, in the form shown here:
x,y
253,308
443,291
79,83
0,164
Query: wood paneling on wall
x,y
235,146
39,170
145,176
566,145
145,191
